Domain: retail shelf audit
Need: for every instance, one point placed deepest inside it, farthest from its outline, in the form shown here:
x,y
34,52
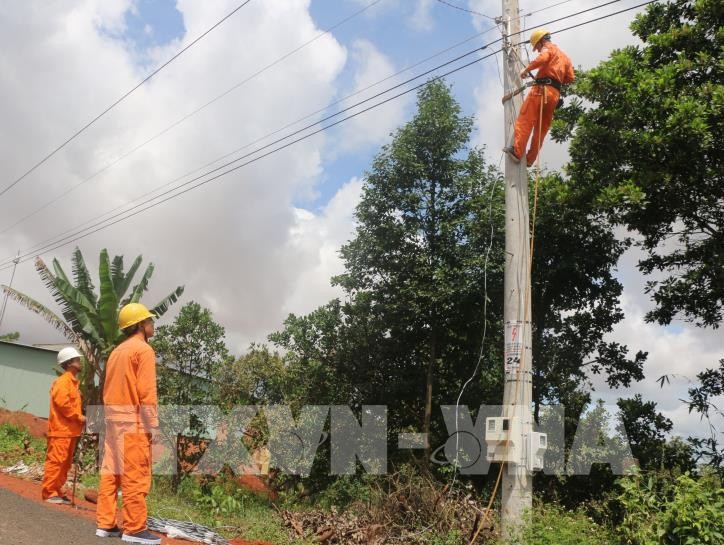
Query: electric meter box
x,y
503,439
537,450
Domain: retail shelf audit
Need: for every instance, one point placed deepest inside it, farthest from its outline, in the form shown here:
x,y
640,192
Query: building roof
x,y
54,346
21,345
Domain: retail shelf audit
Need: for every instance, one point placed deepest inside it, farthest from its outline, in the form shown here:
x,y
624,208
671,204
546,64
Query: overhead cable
x,y
460,8
187,116
122,98
167,195
102,225
139,146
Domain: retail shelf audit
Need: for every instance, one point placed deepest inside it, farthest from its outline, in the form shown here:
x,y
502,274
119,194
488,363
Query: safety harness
x,y
540,81
548,81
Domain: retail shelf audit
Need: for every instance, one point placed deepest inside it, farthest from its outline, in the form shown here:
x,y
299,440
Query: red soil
x,y
38,427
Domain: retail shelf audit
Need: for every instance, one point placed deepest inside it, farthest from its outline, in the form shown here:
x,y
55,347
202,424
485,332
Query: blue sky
x,y
388,25
153,23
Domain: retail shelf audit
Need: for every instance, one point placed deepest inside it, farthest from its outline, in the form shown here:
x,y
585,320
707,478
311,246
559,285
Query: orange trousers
x,y
530,121
126,466
58,459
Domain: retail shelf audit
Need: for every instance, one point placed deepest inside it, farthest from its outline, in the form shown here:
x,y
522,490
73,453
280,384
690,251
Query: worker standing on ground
x,y
65,424
555,69
131,415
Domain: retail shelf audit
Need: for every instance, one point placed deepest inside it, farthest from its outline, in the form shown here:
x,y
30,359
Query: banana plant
x,y
90,320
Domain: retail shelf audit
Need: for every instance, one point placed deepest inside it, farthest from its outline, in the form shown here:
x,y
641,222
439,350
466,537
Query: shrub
x,y
551,524
684,511
17,444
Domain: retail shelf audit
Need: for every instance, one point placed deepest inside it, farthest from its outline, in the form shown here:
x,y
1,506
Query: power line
x,y
197,110
48,247
123,97
100,225
245,146
460,8
187,116
588,22
547,7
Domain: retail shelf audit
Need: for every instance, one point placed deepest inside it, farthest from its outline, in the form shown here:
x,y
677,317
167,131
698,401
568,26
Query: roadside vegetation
x,y
422,281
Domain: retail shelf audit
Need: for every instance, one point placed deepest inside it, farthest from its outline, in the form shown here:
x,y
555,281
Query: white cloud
x,y
682,351
228,242
375,126
318,238
421,18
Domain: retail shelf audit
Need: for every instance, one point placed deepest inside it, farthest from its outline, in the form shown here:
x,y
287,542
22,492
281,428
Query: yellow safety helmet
x,y
537,34
133,313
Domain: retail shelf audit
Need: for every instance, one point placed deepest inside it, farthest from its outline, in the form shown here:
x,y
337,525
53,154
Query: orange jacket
x,y
553,63
129,391
66,417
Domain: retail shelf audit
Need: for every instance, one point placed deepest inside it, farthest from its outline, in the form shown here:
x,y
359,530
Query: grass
x,y
16,444
230,510
551,524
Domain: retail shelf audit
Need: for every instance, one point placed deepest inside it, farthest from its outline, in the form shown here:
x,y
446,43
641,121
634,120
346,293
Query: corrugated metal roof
x,y
30,346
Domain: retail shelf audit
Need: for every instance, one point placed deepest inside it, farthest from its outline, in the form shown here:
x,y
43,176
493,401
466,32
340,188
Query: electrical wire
x,y
102,225
425,73
545,8
460,8
73,238
589,21
485,322
237,150
122,98
339,23
187,116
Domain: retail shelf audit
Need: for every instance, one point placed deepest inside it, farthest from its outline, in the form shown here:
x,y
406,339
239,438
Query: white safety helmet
x,y
67,354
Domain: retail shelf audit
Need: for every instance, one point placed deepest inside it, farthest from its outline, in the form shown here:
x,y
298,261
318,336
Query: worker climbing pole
x,y
521,452
554,69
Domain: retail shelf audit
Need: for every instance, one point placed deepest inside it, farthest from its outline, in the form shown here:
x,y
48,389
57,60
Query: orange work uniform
x,y
65,424
551,63
131,413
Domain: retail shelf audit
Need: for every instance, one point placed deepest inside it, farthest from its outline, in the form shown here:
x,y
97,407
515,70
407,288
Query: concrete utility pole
x,y
517,483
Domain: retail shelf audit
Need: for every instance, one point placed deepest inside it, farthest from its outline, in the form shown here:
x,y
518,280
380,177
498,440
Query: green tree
x,y
11,337
576,300
645,149
258,377
191,351
89,318
413,249
646,430
424,279
703,400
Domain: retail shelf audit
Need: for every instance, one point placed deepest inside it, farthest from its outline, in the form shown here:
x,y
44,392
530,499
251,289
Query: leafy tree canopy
x,y
424,279
646,149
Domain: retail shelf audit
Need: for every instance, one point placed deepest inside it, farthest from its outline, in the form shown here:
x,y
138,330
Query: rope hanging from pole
x,y
536,184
